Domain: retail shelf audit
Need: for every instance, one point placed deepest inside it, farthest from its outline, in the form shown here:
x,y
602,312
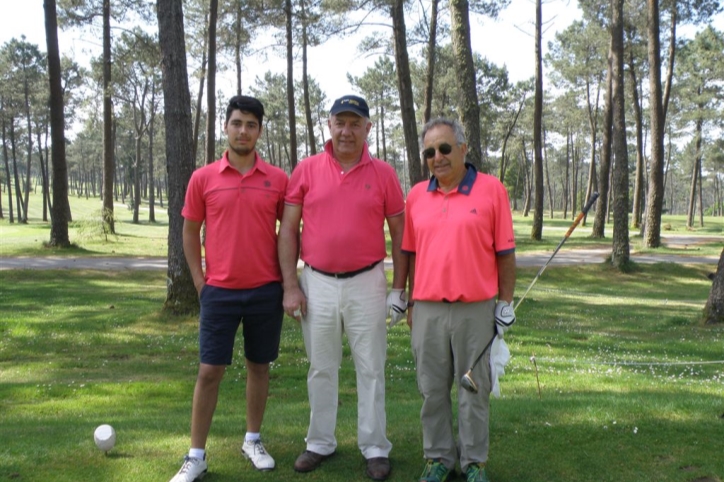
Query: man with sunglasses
x,y
344,196
459,236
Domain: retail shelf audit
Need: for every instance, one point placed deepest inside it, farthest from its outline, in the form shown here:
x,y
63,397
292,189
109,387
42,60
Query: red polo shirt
x,y
241,213
456,237
343,214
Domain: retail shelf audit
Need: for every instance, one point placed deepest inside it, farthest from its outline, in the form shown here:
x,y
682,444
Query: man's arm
x,y
506,277
400,261
192,251
288,248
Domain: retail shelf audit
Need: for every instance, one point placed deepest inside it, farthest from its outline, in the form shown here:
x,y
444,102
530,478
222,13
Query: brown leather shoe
x,y
378,468
309,461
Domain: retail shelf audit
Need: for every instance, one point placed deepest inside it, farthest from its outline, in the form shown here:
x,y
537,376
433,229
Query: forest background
x,y
624,99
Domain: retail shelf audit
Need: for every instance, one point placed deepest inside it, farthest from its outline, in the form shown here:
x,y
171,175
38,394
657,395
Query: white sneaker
x,y
257,454
192,470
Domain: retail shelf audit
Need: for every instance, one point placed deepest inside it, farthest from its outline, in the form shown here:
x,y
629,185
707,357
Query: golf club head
x,y
468,383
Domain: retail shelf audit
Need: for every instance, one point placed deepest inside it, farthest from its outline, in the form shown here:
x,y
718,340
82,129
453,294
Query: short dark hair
x,y
248,104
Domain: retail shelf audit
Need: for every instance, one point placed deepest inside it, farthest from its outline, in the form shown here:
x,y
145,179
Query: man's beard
x,y
243,151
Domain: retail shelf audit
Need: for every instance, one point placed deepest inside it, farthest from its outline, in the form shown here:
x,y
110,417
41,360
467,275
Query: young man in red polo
x,y
240,198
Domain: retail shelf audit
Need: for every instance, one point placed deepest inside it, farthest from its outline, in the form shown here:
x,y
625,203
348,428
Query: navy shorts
x,y
260,312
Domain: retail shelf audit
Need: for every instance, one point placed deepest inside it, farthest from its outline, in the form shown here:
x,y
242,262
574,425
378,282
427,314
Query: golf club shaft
x,y
578,219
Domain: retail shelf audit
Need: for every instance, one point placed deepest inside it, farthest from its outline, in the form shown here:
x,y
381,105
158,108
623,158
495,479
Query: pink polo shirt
x,y
343,214
456,237
241,213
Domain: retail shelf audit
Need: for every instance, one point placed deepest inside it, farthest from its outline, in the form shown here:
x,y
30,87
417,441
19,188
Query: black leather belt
x,y
343,275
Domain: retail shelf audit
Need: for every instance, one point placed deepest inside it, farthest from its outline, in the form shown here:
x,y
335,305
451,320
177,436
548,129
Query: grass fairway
x,y
632,386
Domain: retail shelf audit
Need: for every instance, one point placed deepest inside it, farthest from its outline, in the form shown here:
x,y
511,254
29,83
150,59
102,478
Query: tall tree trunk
x,y
30,150
430,67
599,220
43,177
237,47
404,85
8,178
151,179
109,165
305,86
181,295
290,86
468,102
593,121
640,167
508,133
655,199
200,96
211,85
621,249
695,174
551,198
18,191
537,228
59,220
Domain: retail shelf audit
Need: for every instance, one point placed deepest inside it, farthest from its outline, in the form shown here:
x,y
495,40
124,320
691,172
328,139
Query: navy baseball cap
x,y
351,103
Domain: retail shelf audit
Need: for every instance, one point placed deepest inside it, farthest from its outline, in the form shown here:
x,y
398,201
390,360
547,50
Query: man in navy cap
x,y
344,197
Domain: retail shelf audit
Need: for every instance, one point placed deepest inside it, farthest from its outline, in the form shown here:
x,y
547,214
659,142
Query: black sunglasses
x,y
444,149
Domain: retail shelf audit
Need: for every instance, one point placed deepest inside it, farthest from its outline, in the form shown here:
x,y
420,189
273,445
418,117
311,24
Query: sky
x,y
507,41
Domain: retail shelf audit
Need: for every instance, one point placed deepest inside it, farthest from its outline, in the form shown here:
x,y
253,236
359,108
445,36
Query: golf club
x,y
467,381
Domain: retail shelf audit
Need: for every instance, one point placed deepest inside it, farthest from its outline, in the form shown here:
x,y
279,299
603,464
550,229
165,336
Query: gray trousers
x,y
446,339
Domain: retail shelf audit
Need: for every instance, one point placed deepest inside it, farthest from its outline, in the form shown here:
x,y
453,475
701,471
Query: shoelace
x,y
258,447
189,462
438,467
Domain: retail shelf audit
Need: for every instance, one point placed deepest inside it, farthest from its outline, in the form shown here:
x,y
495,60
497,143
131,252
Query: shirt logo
x,y
367,186
473,211
267,183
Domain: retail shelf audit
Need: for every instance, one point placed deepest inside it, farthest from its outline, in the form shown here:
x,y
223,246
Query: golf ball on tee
x,y
105,437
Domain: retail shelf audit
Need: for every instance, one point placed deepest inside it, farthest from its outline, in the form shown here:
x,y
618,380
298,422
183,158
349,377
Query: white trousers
x,y
356,307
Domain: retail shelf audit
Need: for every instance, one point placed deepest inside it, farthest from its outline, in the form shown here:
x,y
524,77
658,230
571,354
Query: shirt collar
x,y
259,164
364,158
465,186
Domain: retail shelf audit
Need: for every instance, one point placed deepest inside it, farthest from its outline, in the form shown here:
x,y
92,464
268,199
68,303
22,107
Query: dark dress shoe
x,y
378,468
309,461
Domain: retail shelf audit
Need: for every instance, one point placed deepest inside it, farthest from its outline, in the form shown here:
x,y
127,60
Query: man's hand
x,y
504,316
295,303
396,305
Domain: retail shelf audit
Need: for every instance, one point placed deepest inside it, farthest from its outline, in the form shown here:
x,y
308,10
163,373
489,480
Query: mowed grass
x,y
631,384
150,239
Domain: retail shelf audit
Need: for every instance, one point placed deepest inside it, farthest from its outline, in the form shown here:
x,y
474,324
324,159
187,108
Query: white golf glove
x,y
396,306
499,357
504,316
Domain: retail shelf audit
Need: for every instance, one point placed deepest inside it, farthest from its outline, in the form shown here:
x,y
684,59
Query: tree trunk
x,y
151,179
211,85
696,169
599,220
621,250
655,199
43,177
537,228
468,102
640,167
290,87
18,191
404,85
237,47
714,309
181,295
430,67
305,85
8,178
60,208
109,165
30,150
199,98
